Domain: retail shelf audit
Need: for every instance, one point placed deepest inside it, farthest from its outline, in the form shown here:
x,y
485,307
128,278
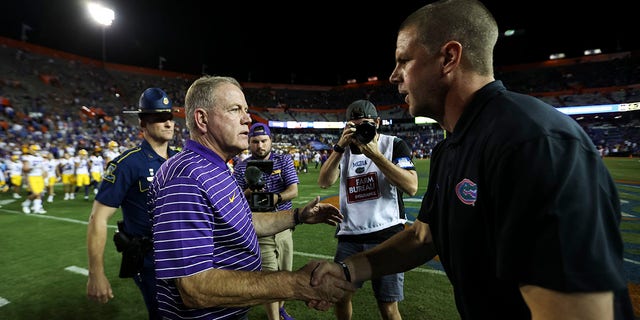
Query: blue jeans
x,y
387,288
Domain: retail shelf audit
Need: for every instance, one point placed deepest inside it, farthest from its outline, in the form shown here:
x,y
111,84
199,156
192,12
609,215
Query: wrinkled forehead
x,y
228,94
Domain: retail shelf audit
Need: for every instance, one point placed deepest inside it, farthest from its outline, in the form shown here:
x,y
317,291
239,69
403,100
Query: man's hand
x,y
99,288
325,269
316,212
327,292
347,134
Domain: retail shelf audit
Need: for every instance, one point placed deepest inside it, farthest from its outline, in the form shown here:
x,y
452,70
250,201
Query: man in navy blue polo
x,y
125,184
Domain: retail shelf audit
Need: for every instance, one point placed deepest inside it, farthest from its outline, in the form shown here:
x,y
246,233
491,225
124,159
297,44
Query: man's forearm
x,y
96,241
290,193
329,172
270,223
400,253
229,288
235,288
406,180
97,235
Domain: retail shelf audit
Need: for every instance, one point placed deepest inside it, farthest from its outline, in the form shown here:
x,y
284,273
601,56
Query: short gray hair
x,y
202,93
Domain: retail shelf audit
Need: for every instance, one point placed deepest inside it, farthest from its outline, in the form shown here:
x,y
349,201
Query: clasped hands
x,y
326,284
323,283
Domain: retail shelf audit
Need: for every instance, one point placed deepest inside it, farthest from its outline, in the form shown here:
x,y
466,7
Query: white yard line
x,y
44,216
78,270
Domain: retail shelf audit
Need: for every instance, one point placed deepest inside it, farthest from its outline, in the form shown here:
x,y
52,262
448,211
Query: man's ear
x,y
200,119
452,52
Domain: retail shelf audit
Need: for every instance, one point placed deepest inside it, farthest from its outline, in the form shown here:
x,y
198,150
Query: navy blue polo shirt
x,y
125,184
519,194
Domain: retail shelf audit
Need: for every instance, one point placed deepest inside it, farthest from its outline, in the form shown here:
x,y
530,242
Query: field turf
x,y
43,259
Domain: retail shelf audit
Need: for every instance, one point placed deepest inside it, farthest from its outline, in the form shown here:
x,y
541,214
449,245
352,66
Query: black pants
x,y
146,282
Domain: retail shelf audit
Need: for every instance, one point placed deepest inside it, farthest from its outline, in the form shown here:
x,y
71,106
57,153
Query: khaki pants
x,y
277,251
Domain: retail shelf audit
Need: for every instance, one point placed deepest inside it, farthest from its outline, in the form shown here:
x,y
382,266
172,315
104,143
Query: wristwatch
x,y
338,148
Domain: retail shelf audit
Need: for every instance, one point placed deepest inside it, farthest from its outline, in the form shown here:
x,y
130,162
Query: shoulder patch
x,y
405,163
108,173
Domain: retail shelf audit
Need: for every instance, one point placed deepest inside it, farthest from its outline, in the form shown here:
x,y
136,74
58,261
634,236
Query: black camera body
x,y
365,132
259,201
262,202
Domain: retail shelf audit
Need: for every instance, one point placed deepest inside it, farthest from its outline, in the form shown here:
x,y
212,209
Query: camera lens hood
x,y
365,132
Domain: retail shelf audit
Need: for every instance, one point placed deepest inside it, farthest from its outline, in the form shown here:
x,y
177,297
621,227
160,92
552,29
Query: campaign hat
x,y
153,100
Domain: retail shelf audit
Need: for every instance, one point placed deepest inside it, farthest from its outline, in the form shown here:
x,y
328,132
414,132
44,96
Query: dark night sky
x,y
272,41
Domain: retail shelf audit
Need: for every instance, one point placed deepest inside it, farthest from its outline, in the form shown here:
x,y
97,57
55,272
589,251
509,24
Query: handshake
x,y
327,283
322,283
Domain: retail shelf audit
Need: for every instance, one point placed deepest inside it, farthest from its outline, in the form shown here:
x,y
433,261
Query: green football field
x,y
43,259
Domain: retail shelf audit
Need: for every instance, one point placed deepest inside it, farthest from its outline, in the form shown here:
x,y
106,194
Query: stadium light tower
x,y
103,16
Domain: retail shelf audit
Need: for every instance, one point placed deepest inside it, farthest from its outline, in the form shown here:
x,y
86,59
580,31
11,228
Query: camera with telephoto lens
x,y
365,132
259,201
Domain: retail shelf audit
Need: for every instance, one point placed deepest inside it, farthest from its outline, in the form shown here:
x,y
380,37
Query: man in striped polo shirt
x,y
206,251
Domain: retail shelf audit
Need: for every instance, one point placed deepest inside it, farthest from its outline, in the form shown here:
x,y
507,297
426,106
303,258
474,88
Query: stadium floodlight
x,y
590,52
556,56
103,16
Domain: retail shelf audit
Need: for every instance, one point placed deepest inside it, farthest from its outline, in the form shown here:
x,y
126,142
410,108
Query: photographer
x,y
272,187
374,170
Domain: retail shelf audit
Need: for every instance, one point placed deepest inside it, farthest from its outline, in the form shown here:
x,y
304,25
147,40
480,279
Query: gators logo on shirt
x,y
467,191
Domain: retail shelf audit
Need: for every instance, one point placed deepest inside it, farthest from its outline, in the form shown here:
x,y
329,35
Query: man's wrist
x,y
296,216
279,200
